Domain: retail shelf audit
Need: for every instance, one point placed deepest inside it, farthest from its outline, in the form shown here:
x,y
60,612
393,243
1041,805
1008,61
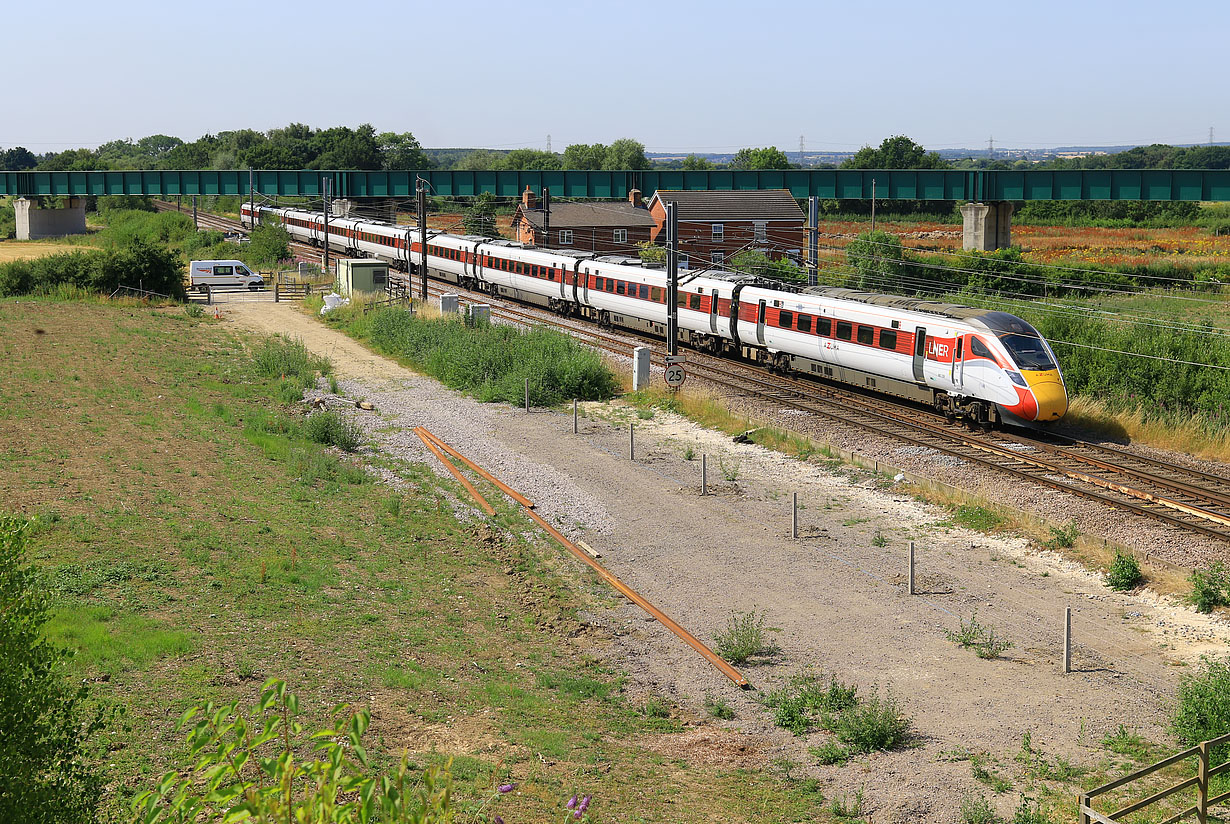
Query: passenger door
x,y
920,353
760,314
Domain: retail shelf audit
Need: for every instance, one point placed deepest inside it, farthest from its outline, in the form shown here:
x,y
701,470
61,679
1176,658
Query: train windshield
x,y
1022,341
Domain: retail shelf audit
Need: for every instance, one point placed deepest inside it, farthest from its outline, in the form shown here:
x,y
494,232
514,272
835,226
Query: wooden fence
x,y
1200,781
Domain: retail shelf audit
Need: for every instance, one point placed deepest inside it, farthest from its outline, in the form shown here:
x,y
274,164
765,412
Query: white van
x,y
202,273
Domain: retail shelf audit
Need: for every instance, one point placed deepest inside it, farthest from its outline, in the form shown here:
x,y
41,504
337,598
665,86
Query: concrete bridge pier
x,y
34,222
987,226
369,208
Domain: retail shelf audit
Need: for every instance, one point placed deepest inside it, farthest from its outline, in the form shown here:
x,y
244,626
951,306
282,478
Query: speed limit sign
x,y
674,375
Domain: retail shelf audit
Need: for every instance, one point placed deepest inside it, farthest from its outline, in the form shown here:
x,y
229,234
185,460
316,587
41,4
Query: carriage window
x,y
681,299
866,334
619,287
804,323
844,328
785,319
655,294
977,347
888,339
824,326
694,302
643,291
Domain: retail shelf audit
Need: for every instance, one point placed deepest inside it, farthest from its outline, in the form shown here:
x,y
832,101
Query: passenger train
x,y
984,366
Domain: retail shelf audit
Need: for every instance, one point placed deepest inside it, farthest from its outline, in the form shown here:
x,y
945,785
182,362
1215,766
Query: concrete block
x,y
448,304
34,223
640,368
986,226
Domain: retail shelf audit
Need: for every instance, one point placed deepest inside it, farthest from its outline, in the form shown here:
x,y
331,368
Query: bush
x,y
268,243
876,723
743,638
806,697
1124,572
1210,587
47,772
1063,537
334,429
1202,709
338,785
493,361
279,357
830,753
137,263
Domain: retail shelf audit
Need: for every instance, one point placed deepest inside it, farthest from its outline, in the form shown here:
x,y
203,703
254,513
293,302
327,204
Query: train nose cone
x,y
1049,392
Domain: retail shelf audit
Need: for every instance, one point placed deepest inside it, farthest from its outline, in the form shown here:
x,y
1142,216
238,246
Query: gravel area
x,y
836,595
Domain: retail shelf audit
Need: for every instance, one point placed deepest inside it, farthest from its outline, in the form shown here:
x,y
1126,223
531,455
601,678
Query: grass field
x,y
197,545
11,250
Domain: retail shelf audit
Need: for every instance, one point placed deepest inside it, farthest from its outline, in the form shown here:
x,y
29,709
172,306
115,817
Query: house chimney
x,y
528,201
634,197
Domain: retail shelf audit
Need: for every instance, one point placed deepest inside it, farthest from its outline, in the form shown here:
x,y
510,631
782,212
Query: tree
x,y
401,151
534,159
625,153
345,148
761,265
18,159
696,163
877,259
481,160
585,156
156,146
268,244
479,219
769,157
46,734
896,152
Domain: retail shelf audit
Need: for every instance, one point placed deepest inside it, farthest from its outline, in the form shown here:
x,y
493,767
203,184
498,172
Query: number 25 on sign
x,y
674,375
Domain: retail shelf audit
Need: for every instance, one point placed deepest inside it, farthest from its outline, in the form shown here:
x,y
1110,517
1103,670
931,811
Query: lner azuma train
x,y
980,365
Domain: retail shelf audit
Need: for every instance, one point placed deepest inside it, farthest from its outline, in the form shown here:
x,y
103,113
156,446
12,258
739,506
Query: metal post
x,y
251,200
326,186
546,217
574,416
1067,640
194,226
910,581
813,240
794,515
527,394
704,474
873,204
631,442
672,275
421,186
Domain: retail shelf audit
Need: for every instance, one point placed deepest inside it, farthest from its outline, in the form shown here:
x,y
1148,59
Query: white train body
x,y
976,363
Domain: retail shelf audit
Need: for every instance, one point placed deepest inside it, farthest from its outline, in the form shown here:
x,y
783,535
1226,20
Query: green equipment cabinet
x,y
361,275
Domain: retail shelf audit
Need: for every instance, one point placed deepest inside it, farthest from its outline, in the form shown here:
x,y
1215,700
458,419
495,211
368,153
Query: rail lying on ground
x,y
1179,496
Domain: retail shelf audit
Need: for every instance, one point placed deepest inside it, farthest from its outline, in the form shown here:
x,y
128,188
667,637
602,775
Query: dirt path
x,y
837,594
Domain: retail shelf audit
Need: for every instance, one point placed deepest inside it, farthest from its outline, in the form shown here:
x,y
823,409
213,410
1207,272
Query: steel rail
x,y
462,479
632,595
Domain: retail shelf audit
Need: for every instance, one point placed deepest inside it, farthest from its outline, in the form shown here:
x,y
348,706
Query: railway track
x,y
1183,497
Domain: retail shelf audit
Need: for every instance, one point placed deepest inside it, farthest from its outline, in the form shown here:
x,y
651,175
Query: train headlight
x,y
1016,378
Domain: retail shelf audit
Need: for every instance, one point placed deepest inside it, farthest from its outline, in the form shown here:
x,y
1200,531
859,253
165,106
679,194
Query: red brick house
x,y
605,228
715,225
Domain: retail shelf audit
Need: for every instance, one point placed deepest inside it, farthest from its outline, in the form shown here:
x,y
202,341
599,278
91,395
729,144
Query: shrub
x,y
980,637
1063,537
493,361
1202,709
334,429
743,638
719,708
830,753
875,723
48,772
136,263
805,697
1210,587
1124,572
975,809
336,783
194,310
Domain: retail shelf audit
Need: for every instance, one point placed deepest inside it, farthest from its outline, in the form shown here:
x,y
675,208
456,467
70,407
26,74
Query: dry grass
x,y
11,250
1194,436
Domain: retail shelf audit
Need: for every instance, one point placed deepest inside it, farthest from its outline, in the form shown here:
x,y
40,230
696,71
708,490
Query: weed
x,y
719,708
194,310
1202,710
879,539
804,696
644,413
845,807
1029,811
830,753
1124,572
744,637
988,776
655,707
980,637
392,505
1125,742
1062,537
979,518
876,723
333,386
334,429
689,452
975,809
1211,587
730,471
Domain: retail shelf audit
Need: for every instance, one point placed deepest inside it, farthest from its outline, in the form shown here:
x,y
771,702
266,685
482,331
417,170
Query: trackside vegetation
x,y
490,361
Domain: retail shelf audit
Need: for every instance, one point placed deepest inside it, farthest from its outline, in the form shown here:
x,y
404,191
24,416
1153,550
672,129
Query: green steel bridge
x,y
982,186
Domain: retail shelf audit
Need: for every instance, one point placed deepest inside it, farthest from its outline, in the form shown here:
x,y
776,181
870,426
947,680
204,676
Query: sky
x,y
678,76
